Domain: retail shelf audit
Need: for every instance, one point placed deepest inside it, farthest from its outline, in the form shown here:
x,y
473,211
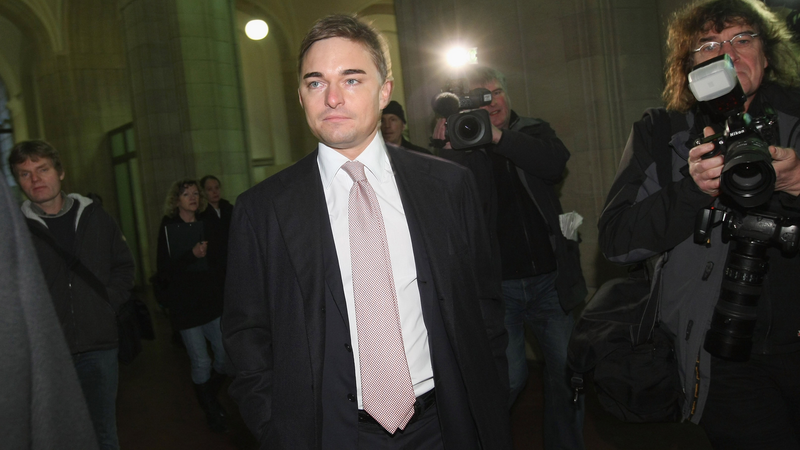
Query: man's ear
x,y
386,93
61,175
301,98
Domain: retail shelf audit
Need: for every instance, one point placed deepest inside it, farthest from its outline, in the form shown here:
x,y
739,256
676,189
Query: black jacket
x,y
641,219
43,406
222,223
88,321
540,159
285,307
194,297
408,145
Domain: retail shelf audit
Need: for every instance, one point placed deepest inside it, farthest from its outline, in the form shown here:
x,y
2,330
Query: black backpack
x,y
617,334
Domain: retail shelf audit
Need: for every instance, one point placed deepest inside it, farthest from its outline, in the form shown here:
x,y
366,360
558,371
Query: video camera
x,y
467,125
748,177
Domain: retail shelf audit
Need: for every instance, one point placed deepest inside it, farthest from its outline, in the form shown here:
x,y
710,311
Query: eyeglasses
x,y
740,42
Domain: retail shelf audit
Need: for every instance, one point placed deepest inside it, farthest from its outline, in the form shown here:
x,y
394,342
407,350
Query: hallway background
x,y
138,93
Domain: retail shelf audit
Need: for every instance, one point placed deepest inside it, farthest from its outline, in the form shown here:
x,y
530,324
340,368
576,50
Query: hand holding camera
x,y
747,177
787,170
705,170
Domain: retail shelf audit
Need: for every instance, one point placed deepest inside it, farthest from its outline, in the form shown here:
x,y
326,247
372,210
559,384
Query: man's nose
x,y
728,50
333,96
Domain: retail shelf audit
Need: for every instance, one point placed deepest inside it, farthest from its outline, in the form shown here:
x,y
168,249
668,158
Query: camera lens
x,y
468,128
748,176
734,318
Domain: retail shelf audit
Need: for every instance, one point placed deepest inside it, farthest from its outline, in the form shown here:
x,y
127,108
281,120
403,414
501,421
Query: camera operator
x,y
753,404
516,174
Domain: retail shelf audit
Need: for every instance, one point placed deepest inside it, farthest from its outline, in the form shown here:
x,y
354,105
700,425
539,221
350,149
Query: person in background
x,y
542,280
219,210
89,271
42,406
393,124
193,276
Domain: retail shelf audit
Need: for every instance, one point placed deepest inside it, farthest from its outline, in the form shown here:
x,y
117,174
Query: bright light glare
x,y
457,57
256,29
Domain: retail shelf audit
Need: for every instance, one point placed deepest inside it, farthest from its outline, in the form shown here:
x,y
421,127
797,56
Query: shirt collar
x,y
374,157
65,207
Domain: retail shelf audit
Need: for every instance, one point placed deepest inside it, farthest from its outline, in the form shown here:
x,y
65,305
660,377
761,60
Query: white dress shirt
x,y
336,184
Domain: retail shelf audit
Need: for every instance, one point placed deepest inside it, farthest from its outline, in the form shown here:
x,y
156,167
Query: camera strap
x,y
665,125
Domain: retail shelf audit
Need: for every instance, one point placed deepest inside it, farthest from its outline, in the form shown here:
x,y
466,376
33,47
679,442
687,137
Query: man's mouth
x,y
335,118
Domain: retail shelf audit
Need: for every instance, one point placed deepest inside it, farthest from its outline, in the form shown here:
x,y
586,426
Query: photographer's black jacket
x,y
641,220
540,159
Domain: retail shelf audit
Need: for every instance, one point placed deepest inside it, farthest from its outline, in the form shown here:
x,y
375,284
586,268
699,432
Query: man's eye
x,y
314,84
709,47
351,81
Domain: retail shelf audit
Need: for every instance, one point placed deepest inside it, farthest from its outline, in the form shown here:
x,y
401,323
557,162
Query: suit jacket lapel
x,y
422,195
301,211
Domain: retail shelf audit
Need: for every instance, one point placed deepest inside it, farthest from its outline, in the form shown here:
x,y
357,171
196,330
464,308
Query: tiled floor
x,y
157,409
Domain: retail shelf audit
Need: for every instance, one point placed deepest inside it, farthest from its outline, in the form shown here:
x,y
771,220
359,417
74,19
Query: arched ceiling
x,y
297,16
40,21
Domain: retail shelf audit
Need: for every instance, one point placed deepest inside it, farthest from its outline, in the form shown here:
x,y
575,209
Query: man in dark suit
x,y
300,315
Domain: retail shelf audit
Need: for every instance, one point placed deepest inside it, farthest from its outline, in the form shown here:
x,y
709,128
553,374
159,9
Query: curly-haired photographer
x,y
740,404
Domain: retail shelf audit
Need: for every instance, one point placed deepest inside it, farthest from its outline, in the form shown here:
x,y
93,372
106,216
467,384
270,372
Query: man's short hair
x,y
481,75
33,150
698,18
351,28
174,193
205,179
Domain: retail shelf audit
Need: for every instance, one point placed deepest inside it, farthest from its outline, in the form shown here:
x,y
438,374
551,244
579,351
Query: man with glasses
x,y
753,404
516,176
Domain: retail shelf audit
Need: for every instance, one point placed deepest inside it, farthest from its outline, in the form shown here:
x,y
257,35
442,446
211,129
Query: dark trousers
x,y
98,373
754,404
424,434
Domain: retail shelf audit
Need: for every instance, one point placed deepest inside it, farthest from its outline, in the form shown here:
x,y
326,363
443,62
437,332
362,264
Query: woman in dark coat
x,y
189,260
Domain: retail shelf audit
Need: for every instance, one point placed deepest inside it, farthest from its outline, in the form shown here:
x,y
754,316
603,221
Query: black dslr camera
x,y
467,125
748,177
731,333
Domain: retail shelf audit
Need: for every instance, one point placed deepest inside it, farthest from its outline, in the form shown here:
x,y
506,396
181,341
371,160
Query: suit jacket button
x,y
348,347
351,397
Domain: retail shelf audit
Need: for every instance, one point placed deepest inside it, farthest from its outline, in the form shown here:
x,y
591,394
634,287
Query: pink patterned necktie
x,y
386,389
